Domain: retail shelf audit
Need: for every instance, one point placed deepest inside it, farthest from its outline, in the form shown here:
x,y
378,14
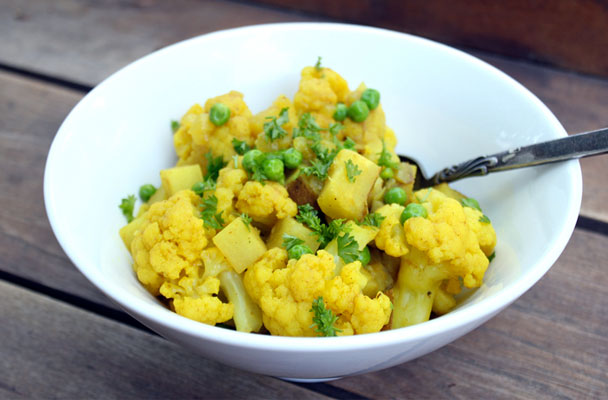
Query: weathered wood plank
x,y
85,41
551,343
31,114
568,34
53,350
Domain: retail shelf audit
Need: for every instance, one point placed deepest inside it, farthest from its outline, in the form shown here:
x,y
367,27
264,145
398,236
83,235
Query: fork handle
x,y
571,147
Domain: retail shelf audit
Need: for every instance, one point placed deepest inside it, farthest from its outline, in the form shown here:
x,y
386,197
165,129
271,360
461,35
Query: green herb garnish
x,y
491,257
324,319
209,213
308,128
373,219
318,64
127,205
203,186
240,146
174,126
352,171
273,128
246,220
386,158
484,219
348,248
325,233
214,165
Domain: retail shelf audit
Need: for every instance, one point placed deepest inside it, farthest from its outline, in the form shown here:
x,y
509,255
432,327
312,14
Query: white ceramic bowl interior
x,y
444,105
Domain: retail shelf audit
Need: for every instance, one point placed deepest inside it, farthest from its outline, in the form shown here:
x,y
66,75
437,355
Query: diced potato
x,y
362,234
240,244
128,231
180,178
247,315
159,195
341,198
304,189
289,226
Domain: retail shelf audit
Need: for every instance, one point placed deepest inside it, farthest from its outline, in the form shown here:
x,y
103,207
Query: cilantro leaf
x,y
308,128
203,186
324,319
290,241
246,220
318,64
348,248
352,171
127,205
373,219
386,158
320,166
209,214
491,257
273,128
214,165
484,219
325,233
240,146
174,125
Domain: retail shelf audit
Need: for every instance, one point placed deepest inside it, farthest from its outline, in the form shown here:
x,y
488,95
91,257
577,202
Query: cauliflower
x,y
229,184
169,241
197,135
391,237
285,292
444,248
266,203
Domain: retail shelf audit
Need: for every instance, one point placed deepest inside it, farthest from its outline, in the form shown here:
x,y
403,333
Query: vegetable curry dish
x,y
301,220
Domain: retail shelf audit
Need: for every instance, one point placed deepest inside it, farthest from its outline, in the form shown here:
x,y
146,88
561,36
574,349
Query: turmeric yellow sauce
x,y
301,220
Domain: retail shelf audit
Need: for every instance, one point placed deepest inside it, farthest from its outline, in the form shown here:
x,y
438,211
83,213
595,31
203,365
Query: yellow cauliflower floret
x,y
447,236
319,91
286,290
229,184
444,248
197,299
197,135
169,241
266,203
391,237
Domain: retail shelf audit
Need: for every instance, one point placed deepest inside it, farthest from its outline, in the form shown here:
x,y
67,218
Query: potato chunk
x,y
240,244
180,178
289,226
341,198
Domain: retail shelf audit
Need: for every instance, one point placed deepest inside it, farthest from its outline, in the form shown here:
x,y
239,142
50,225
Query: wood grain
x,y
31,114
52,350
551,343
85,41
568,34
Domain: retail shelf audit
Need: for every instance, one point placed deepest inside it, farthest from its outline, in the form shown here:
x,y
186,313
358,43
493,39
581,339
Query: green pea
x,y
471,203
358,111
413,210
387,173
298,251
371,97
292,158
395,195
341,112
251,159
146,191
274,169
364,256
219,114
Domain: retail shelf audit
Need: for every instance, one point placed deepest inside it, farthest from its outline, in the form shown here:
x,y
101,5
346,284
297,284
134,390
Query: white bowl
x,y
444,105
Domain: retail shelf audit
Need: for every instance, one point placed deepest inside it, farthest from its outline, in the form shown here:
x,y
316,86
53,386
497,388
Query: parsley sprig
x,y
324,319
325,233
308,128
214,165
174,125
273,128
209,214
386,158
348,248
127,205
240,146
373,219
246,220
352,171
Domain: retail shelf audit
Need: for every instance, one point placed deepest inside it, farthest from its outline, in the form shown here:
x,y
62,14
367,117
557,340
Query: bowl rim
x,y
451,321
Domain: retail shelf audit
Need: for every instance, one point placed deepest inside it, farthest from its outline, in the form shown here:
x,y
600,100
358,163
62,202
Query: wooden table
x,y
60,337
